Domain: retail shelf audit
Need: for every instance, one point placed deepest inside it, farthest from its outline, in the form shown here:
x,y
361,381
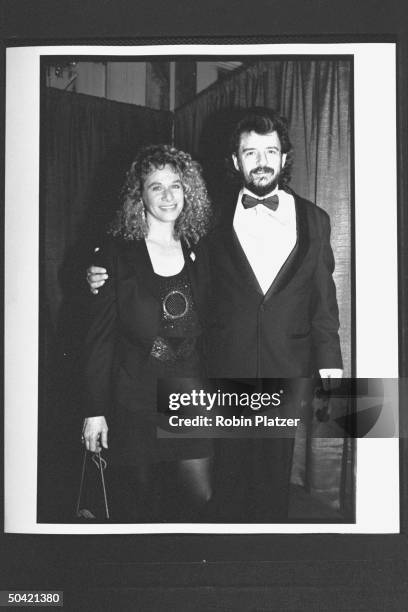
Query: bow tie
x,y
271,202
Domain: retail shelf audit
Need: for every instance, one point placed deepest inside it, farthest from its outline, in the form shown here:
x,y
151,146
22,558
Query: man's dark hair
x,y
263,120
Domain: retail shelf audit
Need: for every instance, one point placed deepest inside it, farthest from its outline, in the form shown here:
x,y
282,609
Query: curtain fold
x,y
87,146
315,96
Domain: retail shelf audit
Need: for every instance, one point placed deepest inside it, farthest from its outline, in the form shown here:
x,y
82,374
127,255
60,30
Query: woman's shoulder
x,y
110,248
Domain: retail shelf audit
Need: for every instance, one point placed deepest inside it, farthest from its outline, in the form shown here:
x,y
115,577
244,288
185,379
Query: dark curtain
x,y
87,145
315,97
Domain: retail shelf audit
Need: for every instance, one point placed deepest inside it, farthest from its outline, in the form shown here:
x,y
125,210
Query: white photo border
x,y
377,499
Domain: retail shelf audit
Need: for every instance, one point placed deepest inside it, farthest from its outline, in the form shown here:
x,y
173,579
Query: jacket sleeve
x,y
325,319
100,342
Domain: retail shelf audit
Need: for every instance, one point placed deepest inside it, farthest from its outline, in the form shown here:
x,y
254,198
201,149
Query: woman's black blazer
x,y
125,320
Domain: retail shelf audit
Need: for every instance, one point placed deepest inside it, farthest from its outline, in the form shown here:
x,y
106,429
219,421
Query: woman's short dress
x,y
174,353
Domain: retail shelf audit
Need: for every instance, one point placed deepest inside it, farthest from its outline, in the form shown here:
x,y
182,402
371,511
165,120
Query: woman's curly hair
x,y
195,218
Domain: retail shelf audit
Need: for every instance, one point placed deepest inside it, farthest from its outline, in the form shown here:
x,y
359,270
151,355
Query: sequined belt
x,y
163,351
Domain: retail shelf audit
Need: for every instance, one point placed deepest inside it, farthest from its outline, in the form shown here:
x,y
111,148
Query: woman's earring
x,y
142,211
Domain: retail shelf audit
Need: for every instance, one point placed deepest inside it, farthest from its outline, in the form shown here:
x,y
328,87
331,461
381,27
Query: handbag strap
x,y
81,483
101,465
101,469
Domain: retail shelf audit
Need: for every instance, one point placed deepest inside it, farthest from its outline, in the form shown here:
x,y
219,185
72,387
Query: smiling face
x,y
163,195
260,161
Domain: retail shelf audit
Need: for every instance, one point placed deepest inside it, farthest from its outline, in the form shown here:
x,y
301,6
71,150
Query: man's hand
x,y
96,278
331,377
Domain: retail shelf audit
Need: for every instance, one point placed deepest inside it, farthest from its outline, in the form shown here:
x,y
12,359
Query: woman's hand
x,y
95,433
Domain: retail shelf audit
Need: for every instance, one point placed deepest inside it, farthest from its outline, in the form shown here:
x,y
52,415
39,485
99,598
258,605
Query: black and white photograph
x,y
100,147
205,305
199,219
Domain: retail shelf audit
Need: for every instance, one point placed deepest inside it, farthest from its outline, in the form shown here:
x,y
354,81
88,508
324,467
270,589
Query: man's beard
x,y
261,189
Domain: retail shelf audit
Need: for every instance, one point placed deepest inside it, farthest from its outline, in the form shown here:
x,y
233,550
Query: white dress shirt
x,y
266,236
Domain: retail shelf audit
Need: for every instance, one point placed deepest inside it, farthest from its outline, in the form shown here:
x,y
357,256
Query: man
x,y
274,313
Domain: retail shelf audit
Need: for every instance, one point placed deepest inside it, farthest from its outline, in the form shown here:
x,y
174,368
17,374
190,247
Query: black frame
x,y
316,568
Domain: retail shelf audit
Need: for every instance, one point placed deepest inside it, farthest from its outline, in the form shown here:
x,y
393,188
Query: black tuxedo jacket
x,y
290,331
125,320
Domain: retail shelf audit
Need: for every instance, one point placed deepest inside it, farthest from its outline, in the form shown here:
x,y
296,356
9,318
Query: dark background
x,y
229,572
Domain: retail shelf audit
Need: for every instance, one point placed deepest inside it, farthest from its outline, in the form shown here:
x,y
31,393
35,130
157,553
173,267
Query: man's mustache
x,y
262,169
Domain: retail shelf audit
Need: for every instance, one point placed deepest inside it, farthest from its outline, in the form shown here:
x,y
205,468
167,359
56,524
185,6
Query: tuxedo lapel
x,y
236,253
297,254
197,275
139,265
191,263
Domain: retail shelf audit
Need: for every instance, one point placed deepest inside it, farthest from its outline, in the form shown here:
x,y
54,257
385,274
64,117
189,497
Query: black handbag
x,y
92,496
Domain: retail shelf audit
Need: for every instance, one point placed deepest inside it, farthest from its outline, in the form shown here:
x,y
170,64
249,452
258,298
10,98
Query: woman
x,y
147,323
